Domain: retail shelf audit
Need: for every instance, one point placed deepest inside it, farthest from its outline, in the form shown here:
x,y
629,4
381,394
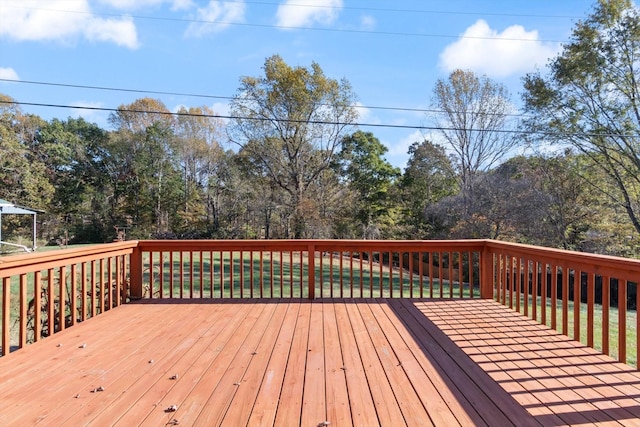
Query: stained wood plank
x,y
263,412
363,410
337,396
288,414
175,369
412,409
246,394
389,413
137,373
314,411
441,405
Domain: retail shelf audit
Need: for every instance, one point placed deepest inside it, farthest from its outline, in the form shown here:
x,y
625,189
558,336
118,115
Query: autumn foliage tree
x,y
291,122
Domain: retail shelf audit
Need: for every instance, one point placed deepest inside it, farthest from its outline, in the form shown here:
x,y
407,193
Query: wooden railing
x,y
44,293
590,298
279,268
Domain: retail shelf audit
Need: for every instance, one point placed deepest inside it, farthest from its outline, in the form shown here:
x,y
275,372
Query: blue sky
x,y
392,52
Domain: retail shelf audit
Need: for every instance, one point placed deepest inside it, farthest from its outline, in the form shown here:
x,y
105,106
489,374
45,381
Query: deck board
x,y
345,362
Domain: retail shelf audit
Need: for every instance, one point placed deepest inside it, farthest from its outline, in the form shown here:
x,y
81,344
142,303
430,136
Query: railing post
x,y
311,274
486,273
135,284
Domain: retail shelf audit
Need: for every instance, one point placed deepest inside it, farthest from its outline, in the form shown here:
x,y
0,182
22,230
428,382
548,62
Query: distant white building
x,y
8,208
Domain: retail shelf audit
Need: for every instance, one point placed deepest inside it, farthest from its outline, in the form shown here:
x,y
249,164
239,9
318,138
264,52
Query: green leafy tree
x,y
73,152
143,168
371,178
292,120
590,99
23,176
428,178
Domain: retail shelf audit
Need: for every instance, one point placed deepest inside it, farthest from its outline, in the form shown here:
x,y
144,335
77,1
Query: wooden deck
x,y
327,362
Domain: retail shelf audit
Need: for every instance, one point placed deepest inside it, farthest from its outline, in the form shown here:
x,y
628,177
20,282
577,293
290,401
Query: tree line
x,y
291,163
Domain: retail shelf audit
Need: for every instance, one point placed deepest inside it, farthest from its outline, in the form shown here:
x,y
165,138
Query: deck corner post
x,y
135,284
486,273
312,270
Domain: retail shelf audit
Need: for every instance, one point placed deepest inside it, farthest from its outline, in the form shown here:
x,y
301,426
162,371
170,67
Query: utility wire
x,y
321,122
285,27
153,92
397,10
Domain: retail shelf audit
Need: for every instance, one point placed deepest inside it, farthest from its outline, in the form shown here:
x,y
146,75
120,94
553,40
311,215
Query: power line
x,y
285,27
155,92
321,122
397,10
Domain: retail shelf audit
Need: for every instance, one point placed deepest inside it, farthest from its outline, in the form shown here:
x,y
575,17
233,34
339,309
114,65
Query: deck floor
x,y
327,362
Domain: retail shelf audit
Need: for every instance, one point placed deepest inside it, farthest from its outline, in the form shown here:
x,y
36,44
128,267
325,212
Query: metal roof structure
x,y
8,208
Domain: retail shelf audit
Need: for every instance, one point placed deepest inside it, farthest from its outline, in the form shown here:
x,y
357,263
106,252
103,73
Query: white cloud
x,y
364,113
90,111
401,147
292,13
63,20
367,22
221,108
9,74
486,51
216,11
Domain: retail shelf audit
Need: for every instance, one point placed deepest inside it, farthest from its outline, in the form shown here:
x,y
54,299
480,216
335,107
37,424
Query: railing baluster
x,y
62,307
577,302
281,258
6,315
350,274
23,311
370,255
271,278
171,274
606,301
110,282
527,287
565,300
291,274
37,305
74,293
93,288
554,296
622,320
191,270
361,275
430,261
241,274
590,308
222,275
201,255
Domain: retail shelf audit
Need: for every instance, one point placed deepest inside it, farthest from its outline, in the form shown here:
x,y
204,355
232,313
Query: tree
x,y
292,120
370,176
428,178
198,148
473,121
23,176
73,152
591,100
143,168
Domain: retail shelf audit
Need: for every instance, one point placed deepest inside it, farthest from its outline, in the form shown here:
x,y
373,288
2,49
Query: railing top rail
x,y
319,245
596,263
17,264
